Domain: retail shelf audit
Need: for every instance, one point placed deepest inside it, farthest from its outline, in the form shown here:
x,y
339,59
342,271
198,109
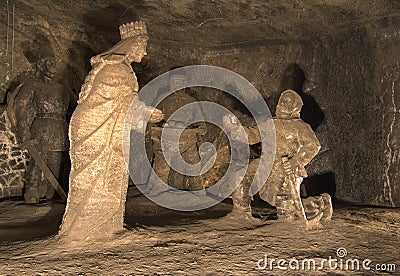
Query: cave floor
x,y
164,242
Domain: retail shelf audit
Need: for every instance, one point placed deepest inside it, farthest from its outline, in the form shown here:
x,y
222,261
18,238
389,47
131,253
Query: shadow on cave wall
x,y
30,49
320,183
311,113
105,24
100,34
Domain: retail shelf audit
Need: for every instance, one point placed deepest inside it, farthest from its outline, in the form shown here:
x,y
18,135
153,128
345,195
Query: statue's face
x,y
289,105
177,82
47,68
137,52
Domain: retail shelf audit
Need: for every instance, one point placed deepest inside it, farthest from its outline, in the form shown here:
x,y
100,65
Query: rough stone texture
x,y
386,83
13,161
348,117
263,64
363,87
77,30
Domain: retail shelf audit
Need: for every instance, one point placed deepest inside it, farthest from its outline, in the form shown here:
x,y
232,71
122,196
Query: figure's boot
x,y
33,181
240,213
53,161
194,184
285,208
31,196
50,191
241,204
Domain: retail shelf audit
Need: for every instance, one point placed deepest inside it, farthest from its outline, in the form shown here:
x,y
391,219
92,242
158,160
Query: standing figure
x,y
240,196
99,175
296,146
188,143
38,112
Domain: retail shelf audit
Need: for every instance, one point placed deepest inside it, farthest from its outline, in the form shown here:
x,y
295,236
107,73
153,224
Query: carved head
x,y
177,81
46,64
136,35
132,46
137,49
289,105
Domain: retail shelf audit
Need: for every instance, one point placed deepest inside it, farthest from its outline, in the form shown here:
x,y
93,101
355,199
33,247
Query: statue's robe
x,y
99,175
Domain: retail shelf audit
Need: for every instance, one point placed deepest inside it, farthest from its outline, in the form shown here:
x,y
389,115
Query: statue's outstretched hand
x,y
156,116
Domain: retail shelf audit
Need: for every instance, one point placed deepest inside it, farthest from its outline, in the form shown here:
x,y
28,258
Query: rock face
x,y
386,86
340,56
363,88
13,162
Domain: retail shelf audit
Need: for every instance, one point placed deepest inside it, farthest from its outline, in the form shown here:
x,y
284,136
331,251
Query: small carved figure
x,y
38,110
240,196
223,157
296,146
99,175
188,143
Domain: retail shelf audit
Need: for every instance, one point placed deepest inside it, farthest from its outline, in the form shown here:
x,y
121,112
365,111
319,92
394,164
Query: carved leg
x,y
240,197
161,170
53,161
32,180
285,208
328,209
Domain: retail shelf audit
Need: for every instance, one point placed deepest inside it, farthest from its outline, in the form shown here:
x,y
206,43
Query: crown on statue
x,y
132,29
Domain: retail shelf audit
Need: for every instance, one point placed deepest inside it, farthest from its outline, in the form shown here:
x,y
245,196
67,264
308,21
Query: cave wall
x,y
13,161
362,89
350,117
264,65
387,86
